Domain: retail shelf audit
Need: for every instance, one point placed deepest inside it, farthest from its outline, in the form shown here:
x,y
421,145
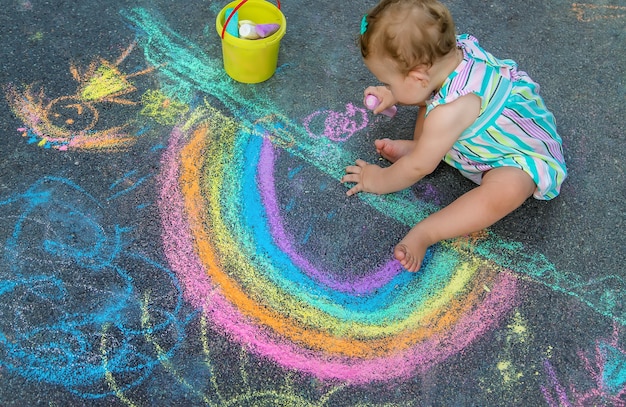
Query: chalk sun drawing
x,y
68,122
224,237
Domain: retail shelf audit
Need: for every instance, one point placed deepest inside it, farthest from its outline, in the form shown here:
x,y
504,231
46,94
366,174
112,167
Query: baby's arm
x,y
441,129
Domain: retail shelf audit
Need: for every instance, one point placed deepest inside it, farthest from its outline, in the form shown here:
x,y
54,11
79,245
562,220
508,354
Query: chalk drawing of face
x,y
71,113
68,122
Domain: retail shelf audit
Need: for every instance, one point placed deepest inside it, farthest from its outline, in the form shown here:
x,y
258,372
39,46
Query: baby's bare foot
x,y
410,256
392,150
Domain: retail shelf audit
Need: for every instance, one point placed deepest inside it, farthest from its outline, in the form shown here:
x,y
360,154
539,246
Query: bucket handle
x,y
241,3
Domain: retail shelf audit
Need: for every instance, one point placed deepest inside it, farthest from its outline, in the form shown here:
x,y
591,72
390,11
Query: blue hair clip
x,y
364,24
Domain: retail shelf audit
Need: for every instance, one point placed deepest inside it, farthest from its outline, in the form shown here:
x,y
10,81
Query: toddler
x,y
478,113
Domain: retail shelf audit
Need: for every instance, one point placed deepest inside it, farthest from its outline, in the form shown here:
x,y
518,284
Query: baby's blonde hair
x,y
410,32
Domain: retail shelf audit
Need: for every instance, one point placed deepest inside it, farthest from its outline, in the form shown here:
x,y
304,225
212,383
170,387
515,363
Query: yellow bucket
x,y
251,61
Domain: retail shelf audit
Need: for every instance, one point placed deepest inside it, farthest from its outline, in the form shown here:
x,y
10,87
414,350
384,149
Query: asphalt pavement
x,y
170,236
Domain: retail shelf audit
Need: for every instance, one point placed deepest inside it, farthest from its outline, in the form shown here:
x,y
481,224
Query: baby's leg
x,y
502,190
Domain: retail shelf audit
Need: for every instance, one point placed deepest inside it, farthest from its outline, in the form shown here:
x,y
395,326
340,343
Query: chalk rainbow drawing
x,y
68,122
224,237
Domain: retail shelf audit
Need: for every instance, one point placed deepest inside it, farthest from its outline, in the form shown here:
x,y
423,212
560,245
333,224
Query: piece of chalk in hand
x,y
371,102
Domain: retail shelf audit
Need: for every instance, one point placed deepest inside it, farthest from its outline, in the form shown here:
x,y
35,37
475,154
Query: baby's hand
x,y
363,175
384,96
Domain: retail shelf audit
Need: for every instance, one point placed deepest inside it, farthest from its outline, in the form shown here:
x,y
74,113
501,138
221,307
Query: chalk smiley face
x,y
71,114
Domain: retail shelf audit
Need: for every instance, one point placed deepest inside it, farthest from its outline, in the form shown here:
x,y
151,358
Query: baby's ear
x,y
420,75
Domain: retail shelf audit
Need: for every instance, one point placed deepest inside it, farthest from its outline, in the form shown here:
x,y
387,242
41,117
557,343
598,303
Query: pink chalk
x,y
371,102
265,30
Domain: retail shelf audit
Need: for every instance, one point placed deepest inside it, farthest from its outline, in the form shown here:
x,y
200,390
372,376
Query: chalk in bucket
x,y
251,61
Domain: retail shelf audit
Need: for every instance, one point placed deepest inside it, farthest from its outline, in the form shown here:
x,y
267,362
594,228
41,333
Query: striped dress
x,y
513,128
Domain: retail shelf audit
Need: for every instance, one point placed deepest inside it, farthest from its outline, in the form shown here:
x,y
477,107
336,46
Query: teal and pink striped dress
x,y
514,128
